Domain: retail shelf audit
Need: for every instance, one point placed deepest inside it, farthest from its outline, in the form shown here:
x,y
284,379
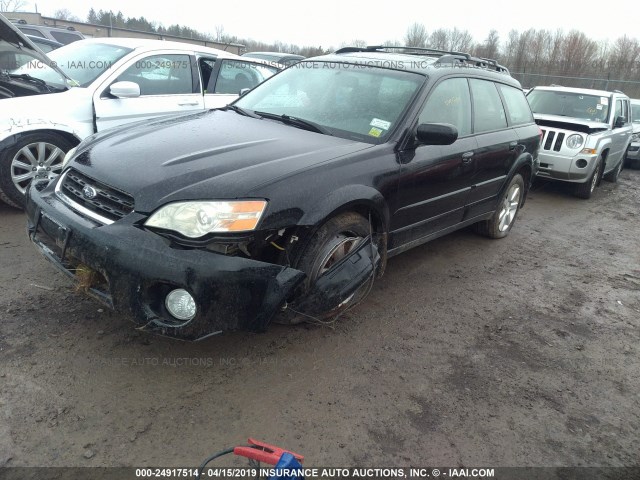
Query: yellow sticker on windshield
x,y
375,132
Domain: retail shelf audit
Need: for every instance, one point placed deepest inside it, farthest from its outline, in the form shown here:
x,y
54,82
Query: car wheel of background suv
x,y
35,155
499,225
586,189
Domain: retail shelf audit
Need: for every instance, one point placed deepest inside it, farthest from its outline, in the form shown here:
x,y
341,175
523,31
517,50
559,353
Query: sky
x,y
331,23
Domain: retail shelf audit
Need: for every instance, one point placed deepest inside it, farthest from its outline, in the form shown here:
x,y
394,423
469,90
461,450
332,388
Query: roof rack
x,y
443,56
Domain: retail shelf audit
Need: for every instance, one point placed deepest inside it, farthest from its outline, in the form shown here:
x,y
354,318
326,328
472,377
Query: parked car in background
x,y
102,83
286,59
586,134
44,44
63,35
293,196
633,155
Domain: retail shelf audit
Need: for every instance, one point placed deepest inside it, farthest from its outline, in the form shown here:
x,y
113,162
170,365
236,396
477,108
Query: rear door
x,y
436,180
230,76
621,135
169,84
497,146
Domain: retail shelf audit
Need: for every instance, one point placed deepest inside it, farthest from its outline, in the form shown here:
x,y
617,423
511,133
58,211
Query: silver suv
x,y
63,35
586,134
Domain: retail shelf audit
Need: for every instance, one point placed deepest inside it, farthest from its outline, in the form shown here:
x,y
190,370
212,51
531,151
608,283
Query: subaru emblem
x,y
89,192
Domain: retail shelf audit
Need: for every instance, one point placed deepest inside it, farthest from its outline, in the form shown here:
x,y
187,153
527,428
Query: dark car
x,y
288,203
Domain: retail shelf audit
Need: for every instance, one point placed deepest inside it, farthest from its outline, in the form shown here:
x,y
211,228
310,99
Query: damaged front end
x,y
188,291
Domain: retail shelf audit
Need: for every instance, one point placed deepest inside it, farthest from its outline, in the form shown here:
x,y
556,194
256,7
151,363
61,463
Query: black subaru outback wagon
x,y
287,204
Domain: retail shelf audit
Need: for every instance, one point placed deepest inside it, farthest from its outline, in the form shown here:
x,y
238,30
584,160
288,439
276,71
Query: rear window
x,y
32,31
64,37
519,110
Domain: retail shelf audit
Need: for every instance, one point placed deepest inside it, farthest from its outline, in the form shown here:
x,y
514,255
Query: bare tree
x,y
490,47
439,39
11,5
219,33
65,14
416,36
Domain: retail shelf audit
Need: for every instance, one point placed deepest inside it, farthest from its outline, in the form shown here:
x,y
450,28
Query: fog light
x,y
181,304
581,163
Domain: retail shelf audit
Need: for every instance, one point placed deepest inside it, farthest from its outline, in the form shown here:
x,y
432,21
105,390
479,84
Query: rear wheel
x,y
34,156
336,239
586,189
499,225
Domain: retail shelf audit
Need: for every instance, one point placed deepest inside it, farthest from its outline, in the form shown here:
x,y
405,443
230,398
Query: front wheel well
x,y
525,171
69,137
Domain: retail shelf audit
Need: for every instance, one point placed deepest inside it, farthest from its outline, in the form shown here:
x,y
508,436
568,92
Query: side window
x,y
625,110
517,105
207,65
235,75
488,112
449,103
619,111
161,75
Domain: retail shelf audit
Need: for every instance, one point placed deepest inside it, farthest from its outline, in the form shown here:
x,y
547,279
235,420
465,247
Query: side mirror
x,y
436,133
619,122
125,90
244,91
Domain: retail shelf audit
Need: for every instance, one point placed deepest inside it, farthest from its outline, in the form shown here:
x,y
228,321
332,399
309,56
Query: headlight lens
x,y
574,141
635,136
68,156
198,218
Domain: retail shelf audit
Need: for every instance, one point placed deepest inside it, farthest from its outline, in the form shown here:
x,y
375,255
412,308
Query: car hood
x,y
209,155
570,123
14,39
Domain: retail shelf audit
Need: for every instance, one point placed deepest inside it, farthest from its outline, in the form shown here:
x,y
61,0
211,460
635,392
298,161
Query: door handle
x,y
466,157
184,104
513,145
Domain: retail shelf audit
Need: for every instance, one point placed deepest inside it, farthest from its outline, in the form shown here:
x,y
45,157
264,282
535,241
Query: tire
x,y
586,189
615,173
34,155
503,219
343,232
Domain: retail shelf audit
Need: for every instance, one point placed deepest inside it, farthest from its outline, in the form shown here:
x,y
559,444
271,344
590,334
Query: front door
x,y
169,84
436,180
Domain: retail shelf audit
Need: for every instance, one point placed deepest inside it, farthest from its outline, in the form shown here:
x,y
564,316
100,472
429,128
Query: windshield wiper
x,y
241,111
38,81
297,122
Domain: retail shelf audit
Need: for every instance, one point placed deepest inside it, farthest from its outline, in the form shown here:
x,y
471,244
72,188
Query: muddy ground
x,y
469,352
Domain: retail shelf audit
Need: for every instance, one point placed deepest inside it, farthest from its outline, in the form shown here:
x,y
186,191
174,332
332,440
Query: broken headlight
x,y
195,219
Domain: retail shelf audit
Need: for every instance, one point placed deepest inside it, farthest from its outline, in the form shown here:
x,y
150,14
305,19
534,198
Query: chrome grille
x,y
108,202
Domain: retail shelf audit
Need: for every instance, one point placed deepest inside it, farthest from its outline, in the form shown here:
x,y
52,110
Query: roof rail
x,y
443,56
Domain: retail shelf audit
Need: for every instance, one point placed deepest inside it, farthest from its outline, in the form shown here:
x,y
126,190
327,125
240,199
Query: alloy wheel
x,y
39,160
509,208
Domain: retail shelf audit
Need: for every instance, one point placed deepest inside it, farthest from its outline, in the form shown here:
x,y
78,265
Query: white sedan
x,y
95,84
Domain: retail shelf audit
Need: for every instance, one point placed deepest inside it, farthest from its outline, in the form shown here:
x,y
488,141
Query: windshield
x,y
351,101
567,104
83,62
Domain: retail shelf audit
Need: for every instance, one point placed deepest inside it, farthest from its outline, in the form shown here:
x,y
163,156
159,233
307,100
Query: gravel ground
x,y
515,352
